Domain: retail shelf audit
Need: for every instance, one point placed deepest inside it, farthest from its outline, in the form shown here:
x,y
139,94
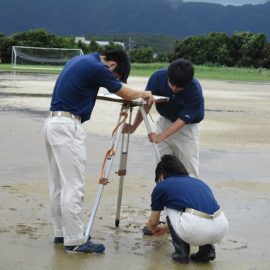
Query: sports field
x,y
234,161
202,72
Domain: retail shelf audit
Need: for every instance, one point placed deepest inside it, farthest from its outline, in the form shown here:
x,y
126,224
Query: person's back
x,y
181,192
77,86
193,214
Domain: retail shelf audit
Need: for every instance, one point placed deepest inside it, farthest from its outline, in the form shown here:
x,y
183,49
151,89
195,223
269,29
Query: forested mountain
x,y
166,17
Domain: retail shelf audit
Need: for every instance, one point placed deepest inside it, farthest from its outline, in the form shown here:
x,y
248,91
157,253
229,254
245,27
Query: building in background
x,y
100,43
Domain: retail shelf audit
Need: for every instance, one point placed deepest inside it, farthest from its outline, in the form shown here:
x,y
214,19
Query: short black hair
x,y
180,73
122,60
169,165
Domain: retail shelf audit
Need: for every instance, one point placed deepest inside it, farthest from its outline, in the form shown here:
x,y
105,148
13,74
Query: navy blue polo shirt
x,y
77,86
180,192
187,105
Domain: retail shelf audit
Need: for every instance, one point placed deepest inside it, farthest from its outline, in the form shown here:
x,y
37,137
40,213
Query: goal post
x,y
40,58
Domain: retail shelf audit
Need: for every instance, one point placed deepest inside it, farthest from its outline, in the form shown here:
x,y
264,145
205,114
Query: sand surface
x,y
234,161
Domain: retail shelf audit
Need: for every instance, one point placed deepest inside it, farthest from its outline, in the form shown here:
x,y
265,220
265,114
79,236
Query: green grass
x,y
233,74
31,69
206,72
201,72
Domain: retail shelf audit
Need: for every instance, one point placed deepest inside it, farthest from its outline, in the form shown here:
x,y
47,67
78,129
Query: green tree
x,y
192,48
242,49
84,47
217,48
33,38
93,46
162,57
265,62
248,49
6,49
2,37
141,55
112,46
252,50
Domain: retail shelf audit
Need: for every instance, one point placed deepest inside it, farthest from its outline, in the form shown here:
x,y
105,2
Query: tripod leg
x,y
148,127
108,164
122,171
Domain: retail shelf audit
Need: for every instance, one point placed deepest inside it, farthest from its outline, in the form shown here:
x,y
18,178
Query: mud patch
x,y
234,245
4,230
26,230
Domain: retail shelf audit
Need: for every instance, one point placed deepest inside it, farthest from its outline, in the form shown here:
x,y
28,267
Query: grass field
x,y
206,72
201,72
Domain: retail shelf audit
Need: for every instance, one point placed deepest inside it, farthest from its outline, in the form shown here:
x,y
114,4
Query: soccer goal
x,y
38,58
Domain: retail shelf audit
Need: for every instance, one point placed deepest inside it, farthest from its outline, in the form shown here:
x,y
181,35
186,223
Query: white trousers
x,y
184,144
65,144
198,231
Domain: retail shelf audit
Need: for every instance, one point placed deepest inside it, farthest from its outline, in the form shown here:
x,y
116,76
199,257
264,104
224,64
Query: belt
x,y
202,214
65,114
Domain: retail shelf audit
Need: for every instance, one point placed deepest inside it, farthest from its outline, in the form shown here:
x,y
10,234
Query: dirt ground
x,y
234,161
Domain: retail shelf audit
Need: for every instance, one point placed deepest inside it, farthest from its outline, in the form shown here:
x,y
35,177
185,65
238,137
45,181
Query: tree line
x,y
242,49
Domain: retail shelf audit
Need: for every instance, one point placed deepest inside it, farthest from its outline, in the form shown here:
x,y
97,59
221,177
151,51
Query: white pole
x,y
149,130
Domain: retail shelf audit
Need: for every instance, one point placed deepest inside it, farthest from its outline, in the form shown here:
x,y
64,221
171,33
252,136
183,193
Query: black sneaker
x,y
58,240
88,247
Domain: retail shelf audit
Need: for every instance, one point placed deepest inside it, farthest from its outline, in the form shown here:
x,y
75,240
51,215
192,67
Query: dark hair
x,y
122,60
180,73
169,165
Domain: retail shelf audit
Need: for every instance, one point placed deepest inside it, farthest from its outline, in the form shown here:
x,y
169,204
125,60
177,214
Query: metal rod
x,y
123,164
108,165
149,130
122,170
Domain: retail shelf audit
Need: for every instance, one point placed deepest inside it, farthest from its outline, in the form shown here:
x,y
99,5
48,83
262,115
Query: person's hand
x,y
154,137
147,94
150,101
128,128
161,229
146,230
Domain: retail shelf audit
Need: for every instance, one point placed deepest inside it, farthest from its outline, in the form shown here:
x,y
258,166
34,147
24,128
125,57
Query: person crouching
x,y
193,215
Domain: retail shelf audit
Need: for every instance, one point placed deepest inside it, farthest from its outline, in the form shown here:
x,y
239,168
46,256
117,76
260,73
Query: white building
x,y
100,43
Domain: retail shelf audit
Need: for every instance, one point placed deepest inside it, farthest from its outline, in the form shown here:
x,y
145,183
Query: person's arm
x,y
138,119
129,94
153,226
153,221
174,127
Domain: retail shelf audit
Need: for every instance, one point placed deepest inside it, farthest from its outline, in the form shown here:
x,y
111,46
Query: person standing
x,y
177,130
193,215
72,102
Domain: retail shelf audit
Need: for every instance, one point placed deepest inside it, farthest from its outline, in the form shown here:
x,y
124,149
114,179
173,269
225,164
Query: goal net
x,y
38,58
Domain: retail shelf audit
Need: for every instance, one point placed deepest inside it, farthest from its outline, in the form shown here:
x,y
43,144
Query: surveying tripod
x,y
127,106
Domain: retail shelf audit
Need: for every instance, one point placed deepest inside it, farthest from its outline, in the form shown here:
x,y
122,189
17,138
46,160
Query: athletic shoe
x,y
58,240
88,247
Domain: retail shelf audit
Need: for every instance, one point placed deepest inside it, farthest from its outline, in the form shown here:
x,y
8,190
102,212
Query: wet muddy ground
x,y
234,161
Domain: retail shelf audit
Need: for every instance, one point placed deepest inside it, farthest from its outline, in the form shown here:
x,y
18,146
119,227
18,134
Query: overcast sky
x,y
231,2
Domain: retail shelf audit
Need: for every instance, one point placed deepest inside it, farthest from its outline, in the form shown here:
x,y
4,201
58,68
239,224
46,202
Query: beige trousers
x,y
198,231
184,144
65,144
